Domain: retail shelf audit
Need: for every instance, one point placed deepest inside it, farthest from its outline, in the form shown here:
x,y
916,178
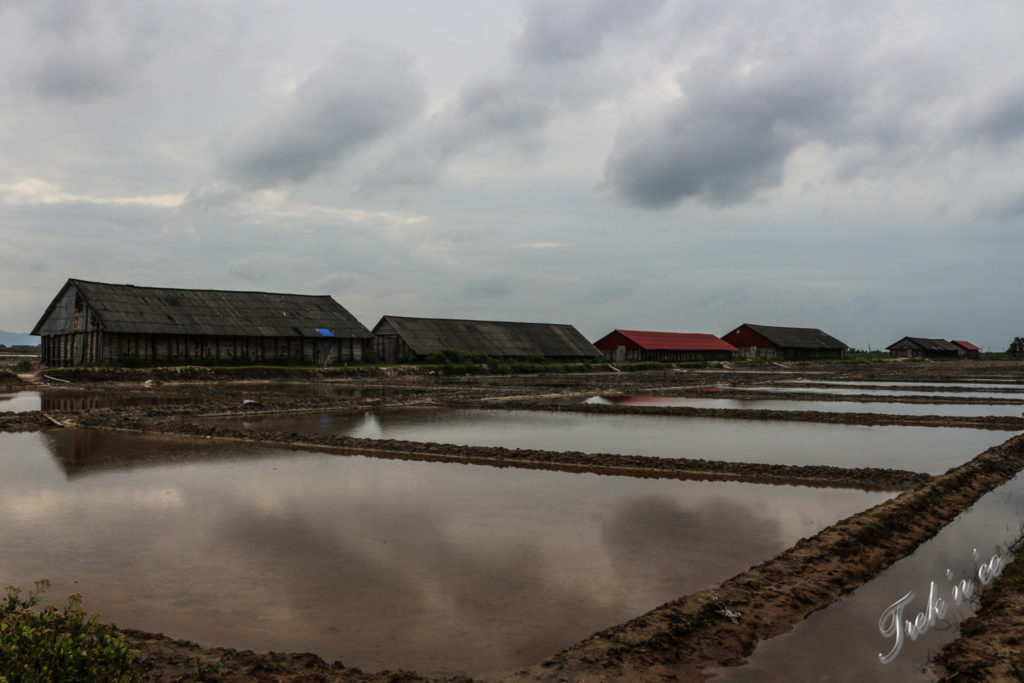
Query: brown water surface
x,y
923,449
438,567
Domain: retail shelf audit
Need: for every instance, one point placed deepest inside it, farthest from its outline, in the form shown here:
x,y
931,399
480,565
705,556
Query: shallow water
x,y
979,384
945,410
73,399
439,567
924,449
848,630
840,391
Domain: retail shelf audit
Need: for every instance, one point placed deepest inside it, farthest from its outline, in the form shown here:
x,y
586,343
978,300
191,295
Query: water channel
x,y
924,449
848,630
438,567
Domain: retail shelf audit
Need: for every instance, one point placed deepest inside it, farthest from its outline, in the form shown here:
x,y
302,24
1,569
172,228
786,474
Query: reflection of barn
x,y
784,343
93,322
399,338
919,347
638,345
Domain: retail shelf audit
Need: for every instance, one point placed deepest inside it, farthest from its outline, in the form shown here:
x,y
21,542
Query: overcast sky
x,y
653,164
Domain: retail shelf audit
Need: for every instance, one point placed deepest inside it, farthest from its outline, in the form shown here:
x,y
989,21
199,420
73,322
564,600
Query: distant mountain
x,y
13,338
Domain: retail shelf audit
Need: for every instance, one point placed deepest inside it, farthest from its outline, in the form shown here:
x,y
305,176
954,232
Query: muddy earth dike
x,y
991,643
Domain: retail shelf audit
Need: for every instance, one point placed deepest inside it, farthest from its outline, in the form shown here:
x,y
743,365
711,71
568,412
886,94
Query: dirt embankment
x,y
991,643
683,637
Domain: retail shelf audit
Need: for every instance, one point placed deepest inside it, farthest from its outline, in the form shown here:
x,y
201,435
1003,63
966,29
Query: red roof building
x,y
642,345
967,349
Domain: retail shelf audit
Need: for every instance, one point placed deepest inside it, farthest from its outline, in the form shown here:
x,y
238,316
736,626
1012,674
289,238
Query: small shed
x,y
96,322
967,349
921,347
642,345
401,338
785,343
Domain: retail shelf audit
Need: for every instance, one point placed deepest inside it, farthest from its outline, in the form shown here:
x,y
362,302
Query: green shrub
x,y
59,645
23,365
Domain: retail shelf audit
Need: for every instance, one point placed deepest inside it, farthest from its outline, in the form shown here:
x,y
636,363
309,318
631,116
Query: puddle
x,y
848,630
923,449
439,567
839,391
66,399
945,410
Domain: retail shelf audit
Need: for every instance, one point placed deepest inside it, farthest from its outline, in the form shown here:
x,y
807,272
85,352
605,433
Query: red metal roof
x,y
966,345
676,341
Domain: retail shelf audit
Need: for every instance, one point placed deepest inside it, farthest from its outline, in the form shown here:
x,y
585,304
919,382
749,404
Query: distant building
x,y
399,338
94,322
920,347
967,349
784,343
639,345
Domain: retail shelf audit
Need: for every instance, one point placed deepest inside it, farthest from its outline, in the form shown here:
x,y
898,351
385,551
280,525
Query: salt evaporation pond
x,y
925,449
69,399
987,384
848,630
440,567
945,410
841,391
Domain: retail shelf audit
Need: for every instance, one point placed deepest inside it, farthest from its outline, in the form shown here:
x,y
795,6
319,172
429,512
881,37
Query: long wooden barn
x,y
785,343
644,345
95,322
400,338
922,347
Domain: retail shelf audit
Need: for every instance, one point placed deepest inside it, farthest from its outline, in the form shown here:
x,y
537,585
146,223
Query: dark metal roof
x,y
161,310
674,341
493,338
797,337
928,344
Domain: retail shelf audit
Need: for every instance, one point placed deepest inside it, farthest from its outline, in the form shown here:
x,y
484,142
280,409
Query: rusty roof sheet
x,y
966,345
676,341
493,338
163,310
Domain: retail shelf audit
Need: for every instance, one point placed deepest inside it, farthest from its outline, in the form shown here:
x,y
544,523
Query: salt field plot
x,y
988,384
924,449
946,410
841,391
438,567
848,630
67,399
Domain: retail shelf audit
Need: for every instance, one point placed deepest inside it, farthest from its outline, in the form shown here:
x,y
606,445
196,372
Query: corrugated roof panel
x,y
677,341
152,310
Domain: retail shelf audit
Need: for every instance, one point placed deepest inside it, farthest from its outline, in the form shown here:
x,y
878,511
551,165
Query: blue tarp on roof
x,y
324,332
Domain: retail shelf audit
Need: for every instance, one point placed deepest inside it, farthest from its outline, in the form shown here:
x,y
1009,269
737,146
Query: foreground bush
x,y
58,645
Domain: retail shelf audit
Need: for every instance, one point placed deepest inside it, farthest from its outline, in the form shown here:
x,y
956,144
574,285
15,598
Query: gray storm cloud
x,y
359,98
553,71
